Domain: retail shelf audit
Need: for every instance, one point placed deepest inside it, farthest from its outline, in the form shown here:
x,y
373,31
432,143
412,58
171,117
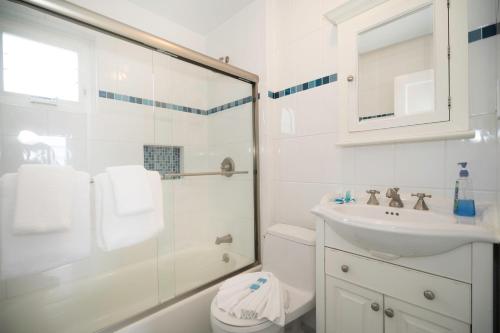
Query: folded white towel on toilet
x,y
253,296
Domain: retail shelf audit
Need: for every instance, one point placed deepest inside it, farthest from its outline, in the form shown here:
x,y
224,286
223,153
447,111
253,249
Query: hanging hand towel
x,y
115,231
131,189
44,201
33,253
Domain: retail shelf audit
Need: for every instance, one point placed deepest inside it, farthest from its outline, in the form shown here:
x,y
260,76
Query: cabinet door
x,y
352,309
401,317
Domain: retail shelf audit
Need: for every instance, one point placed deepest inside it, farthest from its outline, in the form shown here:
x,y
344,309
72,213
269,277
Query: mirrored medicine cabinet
x,y
402,70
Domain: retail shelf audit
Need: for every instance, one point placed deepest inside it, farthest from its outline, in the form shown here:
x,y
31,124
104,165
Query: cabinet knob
x,y
429,294
350,78
389,312
375,306
344,268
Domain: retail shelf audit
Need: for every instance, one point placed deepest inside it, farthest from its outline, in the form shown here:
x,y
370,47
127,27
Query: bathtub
x,y
84,297
190,315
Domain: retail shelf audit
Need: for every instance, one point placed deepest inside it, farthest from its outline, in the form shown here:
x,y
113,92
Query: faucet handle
x,y
373,199
421,195
421,205
391,191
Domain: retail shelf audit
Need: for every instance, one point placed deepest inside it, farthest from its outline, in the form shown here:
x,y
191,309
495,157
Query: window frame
x,y
47,33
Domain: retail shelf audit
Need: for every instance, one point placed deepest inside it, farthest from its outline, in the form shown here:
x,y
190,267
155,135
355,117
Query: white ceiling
x,y
200,16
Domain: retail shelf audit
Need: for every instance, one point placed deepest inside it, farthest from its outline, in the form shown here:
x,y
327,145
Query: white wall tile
x,y
375,165
307,16
15,119
102,154
482,76
306,159
120,121
479,152
68,124
307,57
481,12
295,200
420,164
315,113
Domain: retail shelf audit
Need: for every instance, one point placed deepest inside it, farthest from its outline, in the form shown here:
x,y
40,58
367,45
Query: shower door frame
x,y
87,18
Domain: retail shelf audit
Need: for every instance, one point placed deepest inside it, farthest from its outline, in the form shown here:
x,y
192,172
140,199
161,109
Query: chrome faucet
x,y
393,194
224,239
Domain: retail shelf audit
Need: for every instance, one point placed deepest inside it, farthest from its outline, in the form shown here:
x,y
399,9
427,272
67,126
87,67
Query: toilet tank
x,y
289,253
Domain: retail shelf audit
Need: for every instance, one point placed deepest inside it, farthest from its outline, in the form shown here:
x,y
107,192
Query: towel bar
x,y
226,169
192,174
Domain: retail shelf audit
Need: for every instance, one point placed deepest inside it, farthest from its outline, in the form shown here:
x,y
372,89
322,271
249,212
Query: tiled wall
x,y
298,133
307,162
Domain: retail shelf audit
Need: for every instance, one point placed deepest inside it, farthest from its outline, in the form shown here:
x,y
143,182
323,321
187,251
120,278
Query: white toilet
x,y
289,253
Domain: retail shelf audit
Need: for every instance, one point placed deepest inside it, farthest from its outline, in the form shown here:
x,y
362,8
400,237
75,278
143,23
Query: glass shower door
x,y
207,118
111,102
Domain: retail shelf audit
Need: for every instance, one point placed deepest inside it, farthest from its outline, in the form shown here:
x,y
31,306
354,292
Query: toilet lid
x,y
226,318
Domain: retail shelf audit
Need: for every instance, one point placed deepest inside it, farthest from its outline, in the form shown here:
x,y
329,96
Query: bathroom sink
x,y
391,233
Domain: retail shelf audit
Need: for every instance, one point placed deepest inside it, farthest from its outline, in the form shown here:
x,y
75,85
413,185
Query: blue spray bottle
x,y
464,200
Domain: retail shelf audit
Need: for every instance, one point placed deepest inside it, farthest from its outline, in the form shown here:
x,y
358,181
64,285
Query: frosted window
x,y
39,69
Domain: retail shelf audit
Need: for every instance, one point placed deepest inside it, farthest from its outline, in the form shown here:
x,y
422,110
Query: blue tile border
x,y
484,32
229,105
171,106
303,86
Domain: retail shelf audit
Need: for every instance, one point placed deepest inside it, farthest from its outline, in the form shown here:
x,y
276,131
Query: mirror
x,y
396,67
396,59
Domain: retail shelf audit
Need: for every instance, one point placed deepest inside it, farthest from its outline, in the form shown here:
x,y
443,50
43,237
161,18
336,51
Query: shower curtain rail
x,y
192,174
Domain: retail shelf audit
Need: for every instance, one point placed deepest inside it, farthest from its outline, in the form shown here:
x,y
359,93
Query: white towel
x,y
115,232
132,189
34,253
44,198
253,296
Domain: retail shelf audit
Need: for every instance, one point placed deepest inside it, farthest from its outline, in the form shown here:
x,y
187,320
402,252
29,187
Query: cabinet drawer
x,y
445,296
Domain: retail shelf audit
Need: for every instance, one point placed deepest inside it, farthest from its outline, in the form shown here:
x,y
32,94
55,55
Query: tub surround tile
x,y
172,106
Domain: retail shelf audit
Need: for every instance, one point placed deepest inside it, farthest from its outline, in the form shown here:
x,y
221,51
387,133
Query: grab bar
x,y
193,174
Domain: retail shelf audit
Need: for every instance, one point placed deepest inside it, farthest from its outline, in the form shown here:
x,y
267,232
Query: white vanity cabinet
x,y
358,292
351,308
408,318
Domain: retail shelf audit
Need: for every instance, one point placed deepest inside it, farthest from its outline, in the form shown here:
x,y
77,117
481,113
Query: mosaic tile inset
x,y
164,159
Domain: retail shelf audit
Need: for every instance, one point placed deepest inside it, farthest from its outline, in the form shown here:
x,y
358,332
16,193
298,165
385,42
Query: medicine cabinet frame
x,y
451,116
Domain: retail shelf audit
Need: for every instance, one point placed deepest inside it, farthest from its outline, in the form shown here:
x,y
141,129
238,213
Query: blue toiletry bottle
x,y
464,200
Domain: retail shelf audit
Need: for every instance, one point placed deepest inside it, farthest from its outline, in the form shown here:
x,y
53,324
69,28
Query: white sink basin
x,y
405,232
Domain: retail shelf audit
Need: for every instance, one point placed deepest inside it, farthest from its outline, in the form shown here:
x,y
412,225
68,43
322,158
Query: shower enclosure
x,y
86,91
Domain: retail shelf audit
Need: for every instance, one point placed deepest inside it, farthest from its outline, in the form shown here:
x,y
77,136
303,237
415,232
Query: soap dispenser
x,y
464,201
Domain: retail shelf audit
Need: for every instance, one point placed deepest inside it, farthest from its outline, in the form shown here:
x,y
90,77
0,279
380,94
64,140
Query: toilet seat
x,y
299,303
